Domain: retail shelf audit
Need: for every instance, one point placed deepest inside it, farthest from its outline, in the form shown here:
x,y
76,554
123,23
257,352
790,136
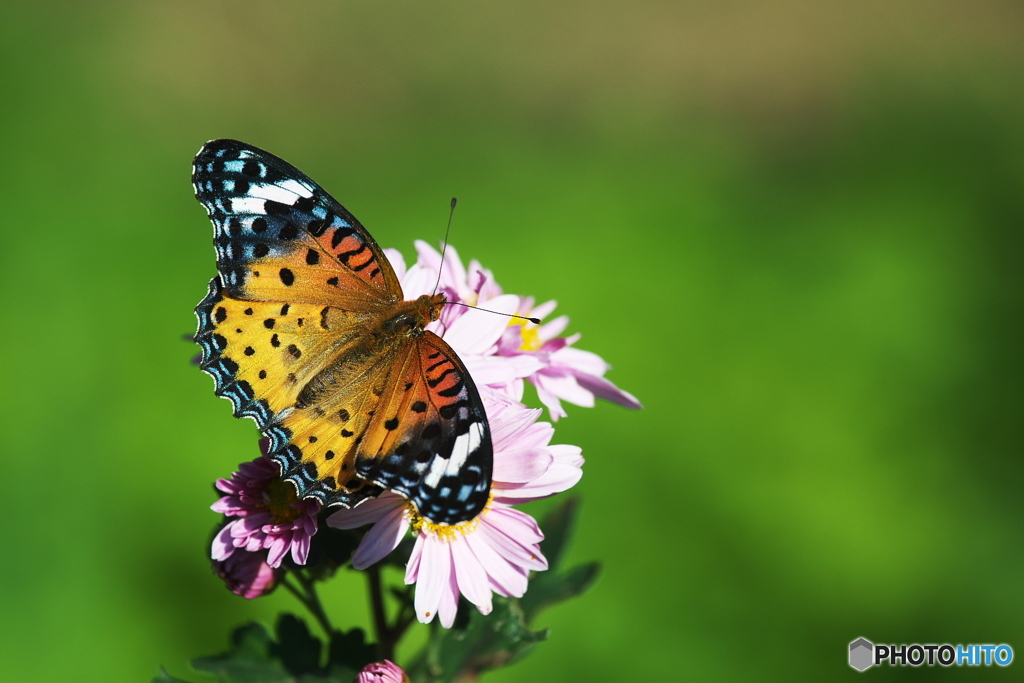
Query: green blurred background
x,y
794,228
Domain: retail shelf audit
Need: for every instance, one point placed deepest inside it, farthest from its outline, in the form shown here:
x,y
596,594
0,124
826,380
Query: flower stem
x,y
388,635
385,637
308,597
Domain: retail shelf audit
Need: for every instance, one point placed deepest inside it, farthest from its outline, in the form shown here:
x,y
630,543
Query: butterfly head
x,y
410,317
432,304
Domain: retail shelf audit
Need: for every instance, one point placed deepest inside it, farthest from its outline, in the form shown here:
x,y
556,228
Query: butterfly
x,y
306,330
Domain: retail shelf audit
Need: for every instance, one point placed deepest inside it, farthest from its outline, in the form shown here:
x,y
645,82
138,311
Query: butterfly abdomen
x,y
348,368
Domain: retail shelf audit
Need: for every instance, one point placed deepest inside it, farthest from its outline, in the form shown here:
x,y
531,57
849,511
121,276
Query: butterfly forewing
x,y
280,236
293,332
271,349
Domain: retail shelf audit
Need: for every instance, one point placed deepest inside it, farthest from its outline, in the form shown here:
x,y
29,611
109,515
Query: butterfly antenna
x,y
535,321
444,245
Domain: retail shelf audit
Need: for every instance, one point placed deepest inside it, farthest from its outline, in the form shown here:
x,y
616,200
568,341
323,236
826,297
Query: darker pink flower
x,y
382,672
247,574
270,515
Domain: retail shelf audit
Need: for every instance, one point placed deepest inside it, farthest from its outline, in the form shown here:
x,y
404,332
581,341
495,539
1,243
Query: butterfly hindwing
x,y
409,419
328,423
306,332
430,439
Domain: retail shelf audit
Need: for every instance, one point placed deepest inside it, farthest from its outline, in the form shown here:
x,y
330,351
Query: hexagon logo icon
x,y
862,653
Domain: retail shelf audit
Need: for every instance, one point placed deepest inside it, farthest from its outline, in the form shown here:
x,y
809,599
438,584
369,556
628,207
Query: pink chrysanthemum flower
x,y
270,516
498,351
493,553
382,672
247,574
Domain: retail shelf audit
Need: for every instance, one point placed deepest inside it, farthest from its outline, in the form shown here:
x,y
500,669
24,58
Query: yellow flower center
x,y
530,335
278,498
444,532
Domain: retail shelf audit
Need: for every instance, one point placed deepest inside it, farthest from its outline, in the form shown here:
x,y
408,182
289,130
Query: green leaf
x,y
297,649
249,659
558,526
255,657
349,652
550,588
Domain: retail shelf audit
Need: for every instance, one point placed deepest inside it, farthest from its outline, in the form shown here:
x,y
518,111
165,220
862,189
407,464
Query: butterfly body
x,y
306,330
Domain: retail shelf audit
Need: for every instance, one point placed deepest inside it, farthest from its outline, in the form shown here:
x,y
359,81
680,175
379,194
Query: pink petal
x,y
254,522
470,575
397,262
513,427
498,569
504,394
426,254
521,465
548,398
449,605
507,422
561,476
300,548
489,288
412,567
276,552
537,435
419,280
477,331
544,310
381,539
308,524
453,273
525,555
517,525
566,388
550,346
222,544
487,369
381,672
369,512
580,361
567,455
602,388
435,574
